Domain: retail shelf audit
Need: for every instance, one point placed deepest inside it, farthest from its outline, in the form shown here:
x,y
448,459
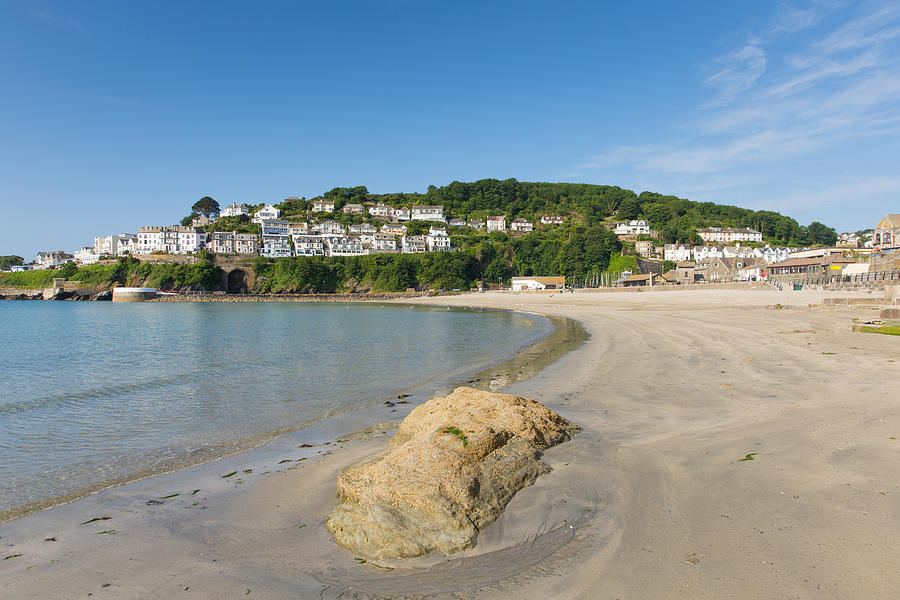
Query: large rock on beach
x,y
452,467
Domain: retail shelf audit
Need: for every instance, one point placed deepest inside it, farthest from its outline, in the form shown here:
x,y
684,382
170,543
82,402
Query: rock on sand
x,y
452,467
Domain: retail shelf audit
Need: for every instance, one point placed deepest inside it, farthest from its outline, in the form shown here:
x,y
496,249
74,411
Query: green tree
x,y
206,206
821,234
10,261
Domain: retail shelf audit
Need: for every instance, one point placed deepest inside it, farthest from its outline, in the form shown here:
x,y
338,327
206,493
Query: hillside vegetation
x,y
676,219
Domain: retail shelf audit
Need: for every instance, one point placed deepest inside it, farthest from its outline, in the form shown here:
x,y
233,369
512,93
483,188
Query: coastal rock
x,y
452,467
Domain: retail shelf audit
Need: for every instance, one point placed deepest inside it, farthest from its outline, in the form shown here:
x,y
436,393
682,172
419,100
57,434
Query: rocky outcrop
x,y
452,467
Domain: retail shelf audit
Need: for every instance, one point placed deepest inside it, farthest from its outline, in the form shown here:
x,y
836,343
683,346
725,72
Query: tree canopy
x,y
206,206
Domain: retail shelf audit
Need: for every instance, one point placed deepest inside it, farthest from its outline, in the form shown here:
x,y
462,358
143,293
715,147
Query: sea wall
x,y
360,297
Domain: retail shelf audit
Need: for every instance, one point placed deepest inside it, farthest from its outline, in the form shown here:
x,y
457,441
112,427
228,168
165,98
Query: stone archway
x,y
237,282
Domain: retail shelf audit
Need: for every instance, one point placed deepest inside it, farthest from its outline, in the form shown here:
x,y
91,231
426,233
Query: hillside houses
x,y
175,239
497,223
428,213
728,235
522,225
634,227
266,212
235,210
322,205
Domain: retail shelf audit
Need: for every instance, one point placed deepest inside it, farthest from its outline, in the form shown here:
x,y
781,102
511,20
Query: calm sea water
x,y
97,392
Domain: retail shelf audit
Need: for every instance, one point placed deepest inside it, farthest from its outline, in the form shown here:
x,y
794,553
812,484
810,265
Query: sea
x,y
95,393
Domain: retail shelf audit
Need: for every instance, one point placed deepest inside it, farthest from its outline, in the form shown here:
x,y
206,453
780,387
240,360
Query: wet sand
x,y
649,501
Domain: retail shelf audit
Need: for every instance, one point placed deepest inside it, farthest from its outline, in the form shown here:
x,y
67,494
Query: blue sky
x,y
115,114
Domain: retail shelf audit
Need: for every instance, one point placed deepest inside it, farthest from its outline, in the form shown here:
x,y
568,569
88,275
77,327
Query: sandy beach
x,y
650,500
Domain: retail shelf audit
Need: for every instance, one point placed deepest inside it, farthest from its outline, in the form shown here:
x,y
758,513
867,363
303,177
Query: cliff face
x,y
452,467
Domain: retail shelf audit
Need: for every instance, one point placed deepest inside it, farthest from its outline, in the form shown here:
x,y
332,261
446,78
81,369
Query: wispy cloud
x,y
738,71
56,21
832,195
820,75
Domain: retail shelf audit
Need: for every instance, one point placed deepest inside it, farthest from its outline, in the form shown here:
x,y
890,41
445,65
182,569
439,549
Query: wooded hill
x,y
676,219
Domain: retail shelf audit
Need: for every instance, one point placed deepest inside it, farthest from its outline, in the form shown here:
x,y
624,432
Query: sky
x,y
118,114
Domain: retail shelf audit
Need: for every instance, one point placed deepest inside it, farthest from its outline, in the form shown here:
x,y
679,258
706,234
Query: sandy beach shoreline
x,y
649,501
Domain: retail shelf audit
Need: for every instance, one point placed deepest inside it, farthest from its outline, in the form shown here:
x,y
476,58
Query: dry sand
x,y
649,501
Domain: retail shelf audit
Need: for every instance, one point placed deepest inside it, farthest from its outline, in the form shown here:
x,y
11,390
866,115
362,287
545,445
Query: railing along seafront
x,y
858,278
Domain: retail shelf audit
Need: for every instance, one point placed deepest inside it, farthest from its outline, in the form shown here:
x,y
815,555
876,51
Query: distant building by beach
x,y
497,223
232,242
414,244
886,235
523,284
428,213
235,210
552,220
645,248
523,225
175,239
275,238
115,245
308,244
727,235
322,205
343,246
437,240
265,213
633,227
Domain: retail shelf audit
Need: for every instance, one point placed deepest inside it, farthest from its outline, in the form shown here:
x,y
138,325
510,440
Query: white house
x,y
677,252
699,253
363,228
476,224
428,213
331,227
402,214
301,227
354,209
267,212
308,244
175,239
633,227
456,222
86,255
393,228
127,244
521,225
323,205
382,211
111,245
343,246
275,238
522,284
496,223
552,220
728,235
413,244
437,240
235,210
384,242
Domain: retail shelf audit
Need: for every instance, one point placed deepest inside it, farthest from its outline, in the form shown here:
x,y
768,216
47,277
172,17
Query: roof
x,y
686,264
889,221
640,277
543,279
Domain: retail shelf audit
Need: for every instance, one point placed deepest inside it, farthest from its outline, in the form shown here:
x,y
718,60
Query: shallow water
x,y
100,392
